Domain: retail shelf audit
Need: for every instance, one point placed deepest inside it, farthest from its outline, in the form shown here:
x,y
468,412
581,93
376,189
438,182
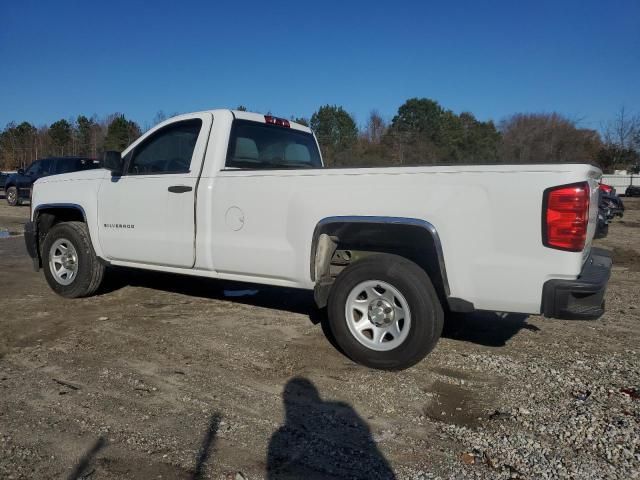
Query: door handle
x,y
179,188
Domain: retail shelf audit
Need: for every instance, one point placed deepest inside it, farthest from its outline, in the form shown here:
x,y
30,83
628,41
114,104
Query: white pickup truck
x,y
242,196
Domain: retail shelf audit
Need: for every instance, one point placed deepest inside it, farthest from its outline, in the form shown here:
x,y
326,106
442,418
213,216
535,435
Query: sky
x,y
492,58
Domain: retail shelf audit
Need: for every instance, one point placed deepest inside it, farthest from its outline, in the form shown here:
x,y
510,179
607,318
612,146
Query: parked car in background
x,y
608,189
18,185
632,191
3,179
610,200
602,222
614,203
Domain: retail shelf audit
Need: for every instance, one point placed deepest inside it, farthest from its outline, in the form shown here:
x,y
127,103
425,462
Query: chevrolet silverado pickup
x,y
389,252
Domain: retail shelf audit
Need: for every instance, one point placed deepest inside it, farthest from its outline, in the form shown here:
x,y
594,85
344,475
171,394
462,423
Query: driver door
x,y
147,215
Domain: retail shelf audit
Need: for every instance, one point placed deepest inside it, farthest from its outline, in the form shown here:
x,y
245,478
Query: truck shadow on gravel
x,y
278,298
490,329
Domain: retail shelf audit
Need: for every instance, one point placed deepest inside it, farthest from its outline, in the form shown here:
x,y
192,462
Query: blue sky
x,y
493,58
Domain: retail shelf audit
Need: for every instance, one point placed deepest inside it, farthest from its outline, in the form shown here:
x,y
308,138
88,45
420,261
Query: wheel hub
x,y
68,261
63,261
381,312
378,315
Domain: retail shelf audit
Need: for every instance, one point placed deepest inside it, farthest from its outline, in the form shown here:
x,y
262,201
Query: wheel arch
x,y
412,238
47,215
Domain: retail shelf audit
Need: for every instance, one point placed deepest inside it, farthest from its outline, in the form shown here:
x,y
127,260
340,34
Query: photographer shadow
x,y
322,439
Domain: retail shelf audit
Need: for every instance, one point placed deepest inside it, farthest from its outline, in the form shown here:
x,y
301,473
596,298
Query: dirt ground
x,y
162,376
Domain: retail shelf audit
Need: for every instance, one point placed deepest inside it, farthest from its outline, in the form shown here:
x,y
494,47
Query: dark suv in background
x,y
17,186
3,179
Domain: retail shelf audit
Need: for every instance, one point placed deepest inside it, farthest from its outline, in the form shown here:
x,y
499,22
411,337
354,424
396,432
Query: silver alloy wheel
x,y
12,195
63,261
378,315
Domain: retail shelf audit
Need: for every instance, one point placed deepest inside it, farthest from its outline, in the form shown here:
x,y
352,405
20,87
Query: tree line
x,y
424,133
22,143
421,133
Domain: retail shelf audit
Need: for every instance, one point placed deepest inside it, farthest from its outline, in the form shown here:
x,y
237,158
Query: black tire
x,y
13,196
90,270
413,283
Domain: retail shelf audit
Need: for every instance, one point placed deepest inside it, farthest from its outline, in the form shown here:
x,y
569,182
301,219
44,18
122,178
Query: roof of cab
x,y
255,117
259,117
243,115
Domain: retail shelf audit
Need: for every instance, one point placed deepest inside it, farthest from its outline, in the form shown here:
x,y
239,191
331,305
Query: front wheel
x,y
13,199
71,266
384,312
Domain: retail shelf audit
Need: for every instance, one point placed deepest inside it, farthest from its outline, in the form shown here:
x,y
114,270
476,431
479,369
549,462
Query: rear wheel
x,y
384,312
13,199
71,267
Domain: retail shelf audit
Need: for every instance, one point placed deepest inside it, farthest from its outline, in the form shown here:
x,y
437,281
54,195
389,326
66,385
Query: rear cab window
x,y
254,145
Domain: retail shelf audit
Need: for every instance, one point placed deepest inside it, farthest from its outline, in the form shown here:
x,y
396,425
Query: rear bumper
x,y
31,242
582,298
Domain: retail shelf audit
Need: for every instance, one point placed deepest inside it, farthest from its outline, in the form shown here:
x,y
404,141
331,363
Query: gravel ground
x,y
161,376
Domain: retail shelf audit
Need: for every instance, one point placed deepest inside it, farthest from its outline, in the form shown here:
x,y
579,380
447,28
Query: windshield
x,y
255,145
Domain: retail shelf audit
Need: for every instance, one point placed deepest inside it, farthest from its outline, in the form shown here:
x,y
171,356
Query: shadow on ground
x,y
279,298
482,328
322,439
206,447
319,439
491,329
83,468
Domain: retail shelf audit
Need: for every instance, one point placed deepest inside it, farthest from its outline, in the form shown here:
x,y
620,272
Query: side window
x,y
66,165
46,167
168,150
63,166
34,169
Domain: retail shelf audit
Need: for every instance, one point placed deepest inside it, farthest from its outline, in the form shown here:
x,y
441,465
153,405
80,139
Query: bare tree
x,y
623,131
159,117
375,127
546,137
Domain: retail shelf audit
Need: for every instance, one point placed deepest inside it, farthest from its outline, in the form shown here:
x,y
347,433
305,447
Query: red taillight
x,y
281,122
566,217
605,188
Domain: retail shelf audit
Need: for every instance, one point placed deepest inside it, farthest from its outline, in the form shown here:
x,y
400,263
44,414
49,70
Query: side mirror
x,y
113,161
21,171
